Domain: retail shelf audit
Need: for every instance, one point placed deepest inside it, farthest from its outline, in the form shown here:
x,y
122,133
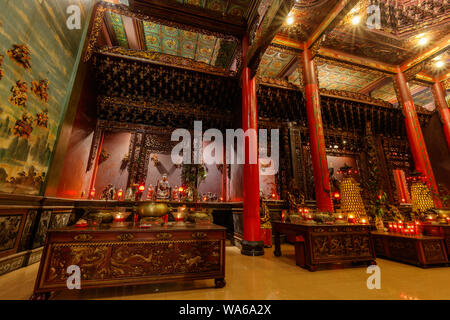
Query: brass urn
x,y
152,209
101,216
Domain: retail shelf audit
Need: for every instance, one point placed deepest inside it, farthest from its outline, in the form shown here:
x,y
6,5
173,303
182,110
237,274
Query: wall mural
x,y
37,56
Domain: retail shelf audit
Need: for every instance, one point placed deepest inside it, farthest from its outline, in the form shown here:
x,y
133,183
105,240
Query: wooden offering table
x,y
419,250
322,244
130,255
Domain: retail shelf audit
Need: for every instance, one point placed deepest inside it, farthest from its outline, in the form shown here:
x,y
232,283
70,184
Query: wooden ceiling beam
x,y
290,67
112,36
377,84
199,18
268,29
438,49
106,35
335,16
131,33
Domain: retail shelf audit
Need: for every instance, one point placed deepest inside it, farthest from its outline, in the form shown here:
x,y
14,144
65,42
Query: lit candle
x,y
351,218
92,194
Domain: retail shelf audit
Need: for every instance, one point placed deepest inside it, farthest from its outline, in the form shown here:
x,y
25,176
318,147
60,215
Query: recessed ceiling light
x,y
356,20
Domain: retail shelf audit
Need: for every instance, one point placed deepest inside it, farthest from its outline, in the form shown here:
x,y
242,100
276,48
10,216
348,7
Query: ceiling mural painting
x,y
294,77
119,30
182,43
386,93
422,96
333,77
273,63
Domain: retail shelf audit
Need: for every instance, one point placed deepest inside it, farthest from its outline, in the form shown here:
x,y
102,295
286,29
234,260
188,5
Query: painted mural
x,y
37,57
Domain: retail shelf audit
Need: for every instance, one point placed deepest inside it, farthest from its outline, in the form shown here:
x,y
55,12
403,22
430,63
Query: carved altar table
x,y
131,255
439,230
321,244
419,250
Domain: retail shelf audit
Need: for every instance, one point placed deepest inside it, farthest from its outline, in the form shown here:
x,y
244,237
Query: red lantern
x,y
141,188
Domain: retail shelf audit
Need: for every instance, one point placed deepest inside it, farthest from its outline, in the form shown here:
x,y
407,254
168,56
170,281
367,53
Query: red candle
x,y
351,218
283,216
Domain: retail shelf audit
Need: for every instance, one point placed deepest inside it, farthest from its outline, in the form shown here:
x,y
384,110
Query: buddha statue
x,y
163,188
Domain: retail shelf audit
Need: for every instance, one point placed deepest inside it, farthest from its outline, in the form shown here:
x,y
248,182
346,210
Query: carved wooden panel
x,y
131,256
340,246
108,260
433,250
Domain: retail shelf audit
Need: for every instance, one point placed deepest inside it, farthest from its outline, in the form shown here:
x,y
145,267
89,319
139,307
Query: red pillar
x,y
414,132
316,135
251,244
444,111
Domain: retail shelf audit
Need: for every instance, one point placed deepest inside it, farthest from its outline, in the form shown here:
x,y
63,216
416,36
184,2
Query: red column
x,y
316,135
444,111
251,244
414,132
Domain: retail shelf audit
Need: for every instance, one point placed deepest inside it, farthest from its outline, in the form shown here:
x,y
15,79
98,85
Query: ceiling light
x,y
440,64
356,20
290,20
423,41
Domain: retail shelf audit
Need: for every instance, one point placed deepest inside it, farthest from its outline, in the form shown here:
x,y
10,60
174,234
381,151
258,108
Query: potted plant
x,y
193,175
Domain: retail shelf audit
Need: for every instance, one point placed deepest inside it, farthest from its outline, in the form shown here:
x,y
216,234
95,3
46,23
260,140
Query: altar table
x,y
131,255
420,250
321,244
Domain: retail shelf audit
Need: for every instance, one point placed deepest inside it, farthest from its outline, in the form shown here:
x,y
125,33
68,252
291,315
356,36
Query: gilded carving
x,y
199,235
83,237
167,60
356,96
433,250
341,245
119,260
125,236
99,13
164,235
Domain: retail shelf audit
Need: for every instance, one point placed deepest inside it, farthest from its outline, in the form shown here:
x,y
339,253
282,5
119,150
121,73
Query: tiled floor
x,y
265,277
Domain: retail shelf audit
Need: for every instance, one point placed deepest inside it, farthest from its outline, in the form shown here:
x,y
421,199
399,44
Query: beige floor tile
x,y
266,277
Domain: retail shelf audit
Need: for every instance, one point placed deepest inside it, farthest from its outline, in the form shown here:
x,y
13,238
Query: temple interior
x,y
224,149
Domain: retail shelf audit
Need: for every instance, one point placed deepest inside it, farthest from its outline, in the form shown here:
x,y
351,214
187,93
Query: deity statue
x,y
163,188
108,193
175,193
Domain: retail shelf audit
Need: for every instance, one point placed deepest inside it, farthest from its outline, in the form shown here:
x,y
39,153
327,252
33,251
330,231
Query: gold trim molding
x,y
355,96
165,60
